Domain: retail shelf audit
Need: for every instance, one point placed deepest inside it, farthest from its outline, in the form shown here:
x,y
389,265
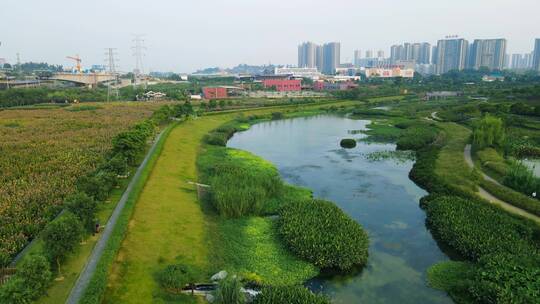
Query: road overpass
x,y
90,79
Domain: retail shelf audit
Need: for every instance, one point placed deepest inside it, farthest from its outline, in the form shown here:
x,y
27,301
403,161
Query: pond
x,y
378,194
534,165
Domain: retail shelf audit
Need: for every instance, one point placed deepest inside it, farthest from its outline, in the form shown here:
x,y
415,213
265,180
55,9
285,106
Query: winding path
x,y
84,278
492,199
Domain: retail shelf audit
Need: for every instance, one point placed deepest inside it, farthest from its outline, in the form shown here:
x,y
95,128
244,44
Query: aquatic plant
x,y
347,143
323,234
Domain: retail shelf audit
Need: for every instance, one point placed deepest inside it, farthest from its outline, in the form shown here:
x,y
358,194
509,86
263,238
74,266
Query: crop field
x,y
43,152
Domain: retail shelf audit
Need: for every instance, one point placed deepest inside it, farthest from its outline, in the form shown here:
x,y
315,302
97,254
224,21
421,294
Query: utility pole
x,y
139,52
110,63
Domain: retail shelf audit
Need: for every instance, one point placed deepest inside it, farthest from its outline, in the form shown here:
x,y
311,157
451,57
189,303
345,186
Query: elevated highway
x,y
90,80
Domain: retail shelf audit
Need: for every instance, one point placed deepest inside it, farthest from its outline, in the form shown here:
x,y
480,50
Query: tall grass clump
x,y
289,295
323,234
520,178
229,292
417,136
241,183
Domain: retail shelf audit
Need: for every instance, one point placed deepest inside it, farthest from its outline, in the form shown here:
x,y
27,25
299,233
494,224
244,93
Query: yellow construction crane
x,y
78,62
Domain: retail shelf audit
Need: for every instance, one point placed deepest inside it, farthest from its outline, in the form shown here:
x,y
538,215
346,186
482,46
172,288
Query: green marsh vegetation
x,y
323,234
506,255
255,247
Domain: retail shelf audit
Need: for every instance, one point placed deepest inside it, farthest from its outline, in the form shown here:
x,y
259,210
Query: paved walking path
x,y
84,278
489,197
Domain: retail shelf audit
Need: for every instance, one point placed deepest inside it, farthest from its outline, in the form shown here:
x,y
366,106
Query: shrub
x,y
31,281
416,137
84,207
229,292
277,115
61,236
347,143
506,278
468,226
289,295
175,277
323,234
216,139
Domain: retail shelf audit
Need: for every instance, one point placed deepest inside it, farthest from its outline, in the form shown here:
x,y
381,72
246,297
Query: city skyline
x,y
184,37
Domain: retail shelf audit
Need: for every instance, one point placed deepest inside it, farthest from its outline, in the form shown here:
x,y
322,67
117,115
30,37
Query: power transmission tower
x,y
139,52
111,65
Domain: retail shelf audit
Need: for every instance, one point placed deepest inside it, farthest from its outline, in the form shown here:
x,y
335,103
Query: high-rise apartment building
x,y
489,53
451,55
331,57
536,55
325,58
419,52
395,52
307,55
521,61
380,54
319,58
357,58
369,54
434,54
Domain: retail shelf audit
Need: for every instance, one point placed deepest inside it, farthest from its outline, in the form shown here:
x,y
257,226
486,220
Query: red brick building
x,y
215,93
282,85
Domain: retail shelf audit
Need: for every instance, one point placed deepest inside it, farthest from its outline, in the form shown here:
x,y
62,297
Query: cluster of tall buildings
x,y
419,52
326,58
451,53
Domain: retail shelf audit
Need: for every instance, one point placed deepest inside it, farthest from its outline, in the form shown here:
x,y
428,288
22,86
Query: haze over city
x,y
184,37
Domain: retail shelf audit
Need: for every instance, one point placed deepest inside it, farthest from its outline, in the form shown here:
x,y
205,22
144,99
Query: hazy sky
x,y
183,36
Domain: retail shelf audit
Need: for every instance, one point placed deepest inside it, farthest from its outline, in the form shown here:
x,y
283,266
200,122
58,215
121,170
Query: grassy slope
x,y
451,165
168,223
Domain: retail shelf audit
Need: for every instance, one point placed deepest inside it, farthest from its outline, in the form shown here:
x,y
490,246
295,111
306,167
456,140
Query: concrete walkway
x,y
492,199
84,278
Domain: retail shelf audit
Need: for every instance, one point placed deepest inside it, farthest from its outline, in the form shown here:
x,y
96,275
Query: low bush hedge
x,y
289,295
323,234
476,229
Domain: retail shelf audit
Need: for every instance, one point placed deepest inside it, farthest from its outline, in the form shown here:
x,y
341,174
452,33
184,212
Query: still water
x,y
378,194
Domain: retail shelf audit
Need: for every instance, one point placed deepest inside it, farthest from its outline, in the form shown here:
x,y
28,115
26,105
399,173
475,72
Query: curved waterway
x,y
378,194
